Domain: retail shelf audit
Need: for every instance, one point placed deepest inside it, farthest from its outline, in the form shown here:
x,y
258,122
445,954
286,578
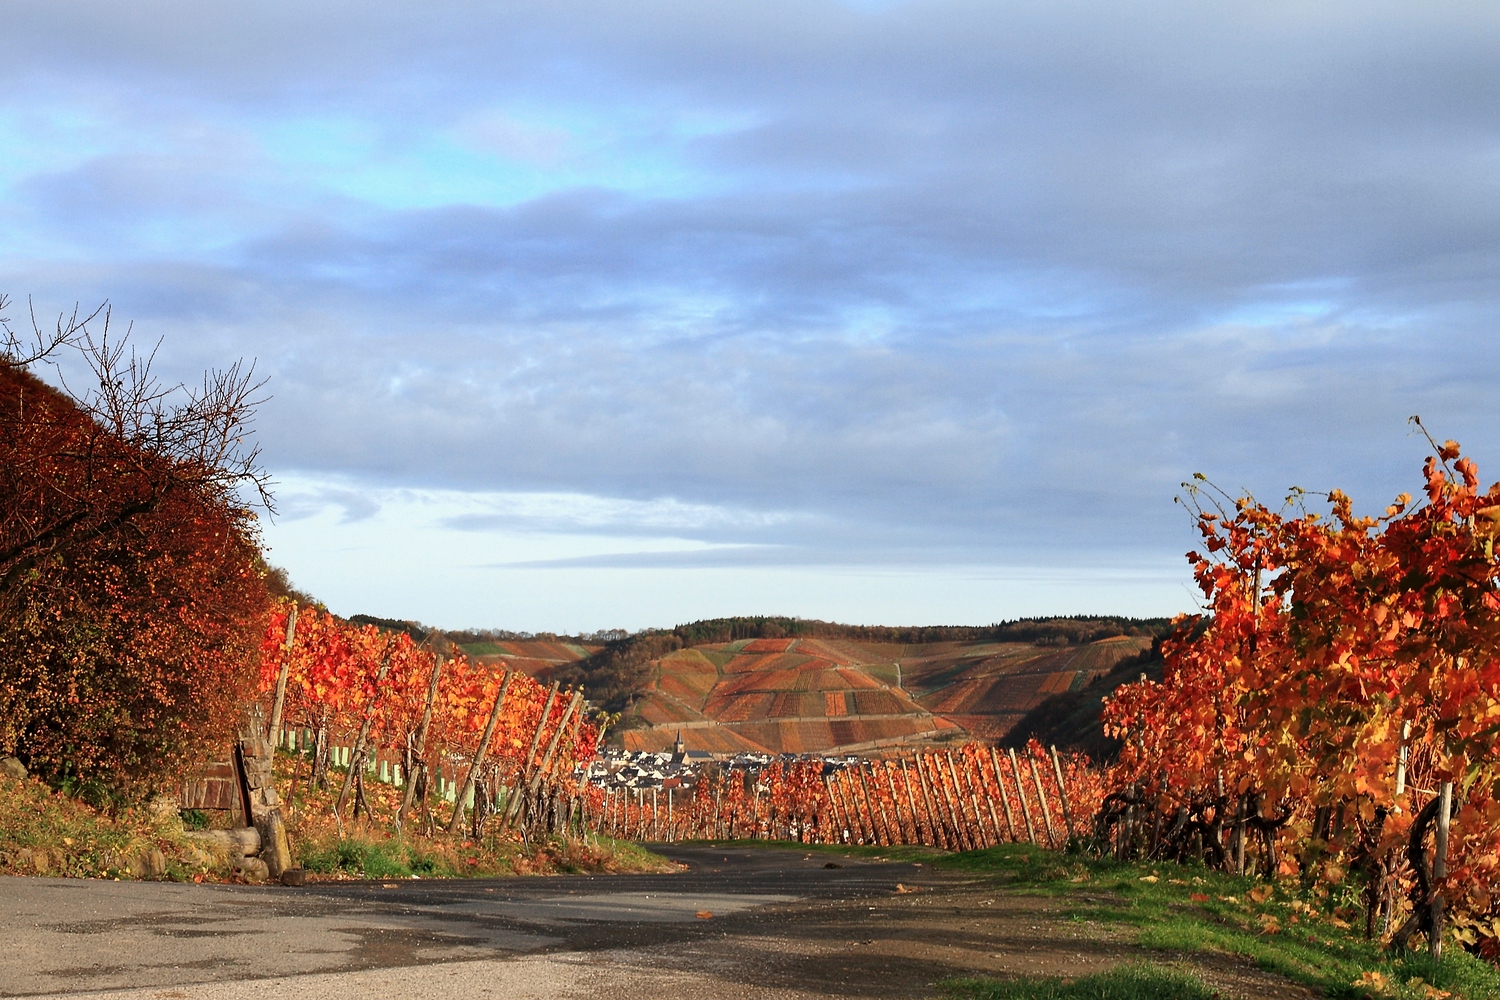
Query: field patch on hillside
x,y
826,695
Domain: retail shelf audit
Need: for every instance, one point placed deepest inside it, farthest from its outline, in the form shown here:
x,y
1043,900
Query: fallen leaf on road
x,y
705,915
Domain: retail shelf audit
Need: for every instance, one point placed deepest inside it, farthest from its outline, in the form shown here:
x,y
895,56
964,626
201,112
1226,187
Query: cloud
x,y
941,280
299,504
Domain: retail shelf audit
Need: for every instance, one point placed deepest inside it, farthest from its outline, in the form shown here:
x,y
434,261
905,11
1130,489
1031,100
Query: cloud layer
x,y
907,284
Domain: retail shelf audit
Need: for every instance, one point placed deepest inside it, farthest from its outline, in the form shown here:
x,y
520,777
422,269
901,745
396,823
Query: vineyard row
x,y
965,799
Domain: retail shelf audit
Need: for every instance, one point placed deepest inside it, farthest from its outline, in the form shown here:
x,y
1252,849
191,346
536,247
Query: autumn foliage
x,y
1347,666
131,595
342,678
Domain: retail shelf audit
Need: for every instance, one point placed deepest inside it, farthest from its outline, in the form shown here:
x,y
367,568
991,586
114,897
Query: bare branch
x,y
19,352
141,441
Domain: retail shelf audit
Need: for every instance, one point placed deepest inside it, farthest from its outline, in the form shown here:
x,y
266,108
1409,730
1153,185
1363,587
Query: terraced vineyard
x,y
536,658
821,695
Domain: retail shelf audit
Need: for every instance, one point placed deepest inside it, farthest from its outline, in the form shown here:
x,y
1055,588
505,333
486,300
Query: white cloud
x,y
934,283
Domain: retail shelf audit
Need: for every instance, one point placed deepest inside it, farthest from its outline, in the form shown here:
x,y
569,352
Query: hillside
x,y
793,685
1071,720
541,659
824,695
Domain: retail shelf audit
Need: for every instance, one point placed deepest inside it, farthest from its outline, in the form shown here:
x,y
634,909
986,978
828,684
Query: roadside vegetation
x,y
1127,982
55,832
1309,933
49,832
376,848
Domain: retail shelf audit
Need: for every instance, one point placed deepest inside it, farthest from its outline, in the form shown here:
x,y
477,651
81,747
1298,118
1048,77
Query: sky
x,y
593,315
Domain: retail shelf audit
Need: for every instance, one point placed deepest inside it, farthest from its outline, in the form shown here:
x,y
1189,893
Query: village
x,y
680,767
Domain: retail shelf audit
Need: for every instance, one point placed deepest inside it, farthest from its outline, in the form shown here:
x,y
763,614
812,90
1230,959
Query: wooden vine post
x,y
1010,820
851,830
1062,792
416,770
911,805
1015,766
846,795
1440,869
880,820
1401,758
989,803
956,804
534,789
483,751
833,807
934,817
890,781
1241,818
861,792
281,677
1041,800
893,834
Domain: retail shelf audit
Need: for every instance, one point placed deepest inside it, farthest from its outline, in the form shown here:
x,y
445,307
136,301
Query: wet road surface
x,y
737,922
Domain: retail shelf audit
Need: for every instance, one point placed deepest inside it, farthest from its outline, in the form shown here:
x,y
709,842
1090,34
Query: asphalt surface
x,y
741,922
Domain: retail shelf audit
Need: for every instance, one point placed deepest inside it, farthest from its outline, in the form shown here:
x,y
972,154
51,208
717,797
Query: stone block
x,y
240,842
253,870
151,864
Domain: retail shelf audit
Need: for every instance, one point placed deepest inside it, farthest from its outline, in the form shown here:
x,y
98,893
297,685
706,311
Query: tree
x,y
132,591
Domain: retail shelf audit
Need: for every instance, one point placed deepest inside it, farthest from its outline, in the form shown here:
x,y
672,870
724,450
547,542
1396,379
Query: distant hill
x,y
775,684
1070,720
827,694
541,658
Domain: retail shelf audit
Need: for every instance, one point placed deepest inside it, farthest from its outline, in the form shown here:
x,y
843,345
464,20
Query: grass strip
x,y
1311,934
1127,982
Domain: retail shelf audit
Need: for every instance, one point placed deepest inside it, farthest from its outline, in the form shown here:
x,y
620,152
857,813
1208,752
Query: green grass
x,y
375,855
1184,910
1127,982
49,832
375,859
1312,937
483,649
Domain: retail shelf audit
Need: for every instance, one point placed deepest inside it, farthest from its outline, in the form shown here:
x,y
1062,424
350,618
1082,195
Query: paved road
x,y
782,924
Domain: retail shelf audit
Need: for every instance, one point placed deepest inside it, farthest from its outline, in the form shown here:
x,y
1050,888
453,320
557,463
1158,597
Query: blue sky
x,y
595,315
